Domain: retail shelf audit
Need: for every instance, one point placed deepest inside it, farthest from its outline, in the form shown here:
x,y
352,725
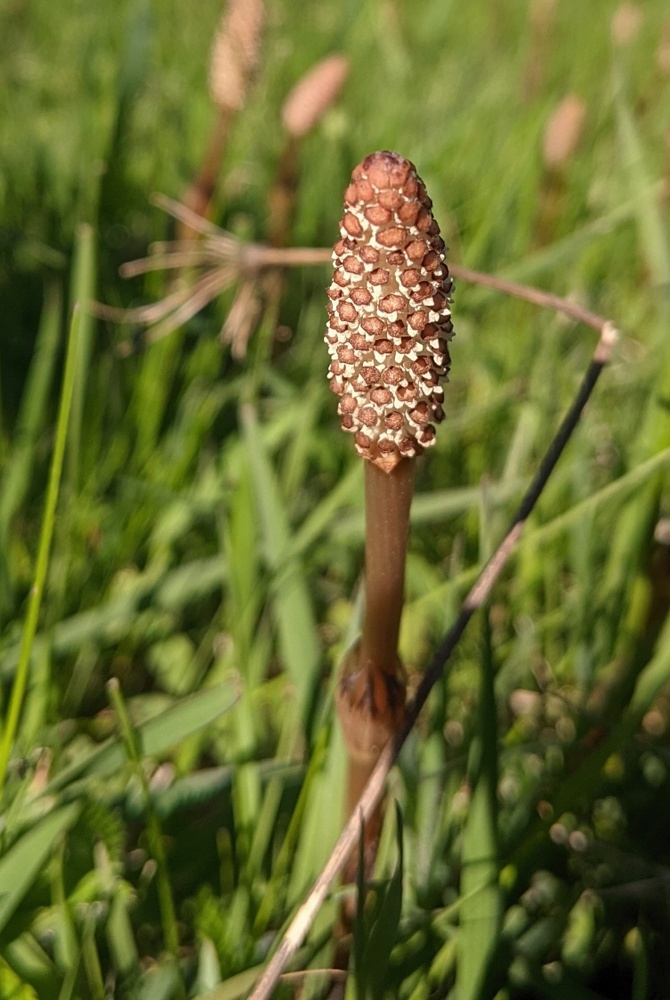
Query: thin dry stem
x,y
165,261
206,289
144,314
302,921
222,252
539,298
198,195
283,195
184,214
243,314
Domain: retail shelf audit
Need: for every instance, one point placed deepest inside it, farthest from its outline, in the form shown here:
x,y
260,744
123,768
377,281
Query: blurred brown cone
x,y
563,132
313,94
235,53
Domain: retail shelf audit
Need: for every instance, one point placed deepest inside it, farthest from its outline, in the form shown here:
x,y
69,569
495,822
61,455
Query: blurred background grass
x,y
209,532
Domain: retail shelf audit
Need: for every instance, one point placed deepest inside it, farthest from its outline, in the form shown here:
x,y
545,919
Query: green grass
x,y
191,524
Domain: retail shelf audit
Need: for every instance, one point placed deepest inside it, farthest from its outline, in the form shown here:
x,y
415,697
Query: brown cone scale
x,y
389,320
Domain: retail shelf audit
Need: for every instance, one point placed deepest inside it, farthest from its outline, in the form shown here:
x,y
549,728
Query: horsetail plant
x,y
305,105
371,697
389,324
233,62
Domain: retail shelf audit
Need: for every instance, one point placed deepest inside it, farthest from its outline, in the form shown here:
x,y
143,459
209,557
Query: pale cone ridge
x,y
389,319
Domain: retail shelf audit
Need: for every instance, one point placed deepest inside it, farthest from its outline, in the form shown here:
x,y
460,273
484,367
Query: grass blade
x,y
482,907
650,222
294,615
156,736
82,293
133,750
26,858
17,472
46,535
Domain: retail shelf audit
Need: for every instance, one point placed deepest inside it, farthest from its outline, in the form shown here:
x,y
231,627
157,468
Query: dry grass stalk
x,y
220,260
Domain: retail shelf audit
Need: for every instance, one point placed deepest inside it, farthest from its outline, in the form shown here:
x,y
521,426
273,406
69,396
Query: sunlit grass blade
x,y
12,718
292,607
118,928
653,678
153,385
33,965
133,62
315,824
631,541
563,251
160,982
21,459
82,294
133,751
653,238
242,557
155,736
347,492
12,986
26,858
234,988
481,909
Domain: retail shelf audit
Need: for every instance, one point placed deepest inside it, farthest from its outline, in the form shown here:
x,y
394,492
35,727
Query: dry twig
x,y
220,260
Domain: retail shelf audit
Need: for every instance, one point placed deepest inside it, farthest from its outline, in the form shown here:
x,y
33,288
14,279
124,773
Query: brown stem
x,y
535,295
371,697
388,496
283,196
372,688
199,193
